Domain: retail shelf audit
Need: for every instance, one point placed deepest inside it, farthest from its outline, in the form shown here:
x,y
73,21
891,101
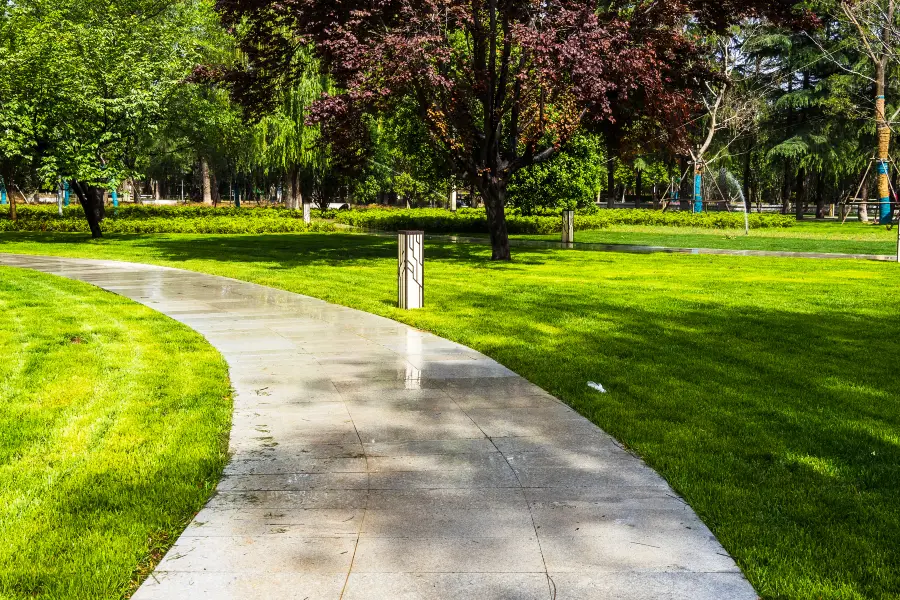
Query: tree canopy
x,y
534,104
501,85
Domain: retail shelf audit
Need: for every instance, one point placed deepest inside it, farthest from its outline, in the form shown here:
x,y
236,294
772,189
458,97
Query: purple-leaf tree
x,y
501,84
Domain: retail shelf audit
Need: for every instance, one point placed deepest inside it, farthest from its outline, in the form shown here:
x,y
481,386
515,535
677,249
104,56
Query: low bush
x,y
213,225
149,211
475,220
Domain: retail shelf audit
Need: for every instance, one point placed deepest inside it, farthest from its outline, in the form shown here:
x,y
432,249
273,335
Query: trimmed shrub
x,y
147,211
475,220
167,219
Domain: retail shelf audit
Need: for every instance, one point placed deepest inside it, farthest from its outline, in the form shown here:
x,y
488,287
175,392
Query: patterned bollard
x,y
411,269
568,227
307,213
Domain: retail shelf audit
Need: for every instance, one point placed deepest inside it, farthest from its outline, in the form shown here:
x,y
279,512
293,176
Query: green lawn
x,y
852,237
113,432
763,389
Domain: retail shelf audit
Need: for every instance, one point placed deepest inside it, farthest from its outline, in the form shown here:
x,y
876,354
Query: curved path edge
x,y
372,460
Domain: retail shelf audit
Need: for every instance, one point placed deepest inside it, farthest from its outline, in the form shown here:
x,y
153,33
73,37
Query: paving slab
x,y
371,460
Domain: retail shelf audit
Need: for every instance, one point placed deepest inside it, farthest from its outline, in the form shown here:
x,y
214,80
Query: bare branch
x,y
862,32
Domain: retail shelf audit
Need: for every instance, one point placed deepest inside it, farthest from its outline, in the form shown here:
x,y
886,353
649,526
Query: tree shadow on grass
x,y
779,428
285,250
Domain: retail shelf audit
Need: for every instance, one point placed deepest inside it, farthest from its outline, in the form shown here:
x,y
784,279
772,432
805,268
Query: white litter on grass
x,y
596,386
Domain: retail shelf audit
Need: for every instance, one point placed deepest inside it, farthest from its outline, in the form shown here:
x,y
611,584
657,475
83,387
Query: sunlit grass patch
x,y
113,431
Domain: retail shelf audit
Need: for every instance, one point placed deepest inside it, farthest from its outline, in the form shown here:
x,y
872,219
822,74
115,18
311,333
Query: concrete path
x,y
375,461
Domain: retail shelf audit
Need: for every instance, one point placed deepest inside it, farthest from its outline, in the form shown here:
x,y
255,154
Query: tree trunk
x,y
295,197
820,196
639,188
91,199
214,187
884,141
698,187
493,192
786,189
611,152
863,211
12,201
748,177
800,205
205,182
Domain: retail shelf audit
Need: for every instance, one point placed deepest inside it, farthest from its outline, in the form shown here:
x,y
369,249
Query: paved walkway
x,y
375,461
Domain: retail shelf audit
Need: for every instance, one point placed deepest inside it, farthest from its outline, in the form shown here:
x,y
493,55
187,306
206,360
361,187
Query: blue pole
x,y
2,195
698,192
115,199
66,193
885,214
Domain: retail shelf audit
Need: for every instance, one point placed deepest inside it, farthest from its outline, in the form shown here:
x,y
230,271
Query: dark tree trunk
x,y
862,211
639,188
685,185
205,182
7,178
748,177
91,199
214,187
295,196
820,196
786,189
493,192
800,205
611,153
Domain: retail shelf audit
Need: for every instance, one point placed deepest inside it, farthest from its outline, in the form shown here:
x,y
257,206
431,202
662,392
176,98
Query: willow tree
x,y
285,142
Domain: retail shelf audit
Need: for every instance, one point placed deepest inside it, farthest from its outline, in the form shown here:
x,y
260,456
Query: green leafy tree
x,y
569,180
106,70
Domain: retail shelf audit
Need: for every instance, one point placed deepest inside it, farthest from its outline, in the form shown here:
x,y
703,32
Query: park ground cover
x,y
113,433
763,389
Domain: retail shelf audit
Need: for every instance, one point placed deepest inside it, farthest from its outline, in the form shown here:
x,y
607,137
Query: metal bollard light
x,y
568,227
411,269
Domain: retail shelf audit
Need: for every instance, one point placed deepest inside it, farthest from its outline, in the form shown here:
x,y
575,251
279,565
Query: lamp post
x,y
411,269
568,227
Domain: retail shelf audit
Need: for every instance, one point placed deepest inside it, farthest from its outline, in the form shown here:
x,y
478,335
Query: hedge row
x,y
475,221
207,219
145,211
222,225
